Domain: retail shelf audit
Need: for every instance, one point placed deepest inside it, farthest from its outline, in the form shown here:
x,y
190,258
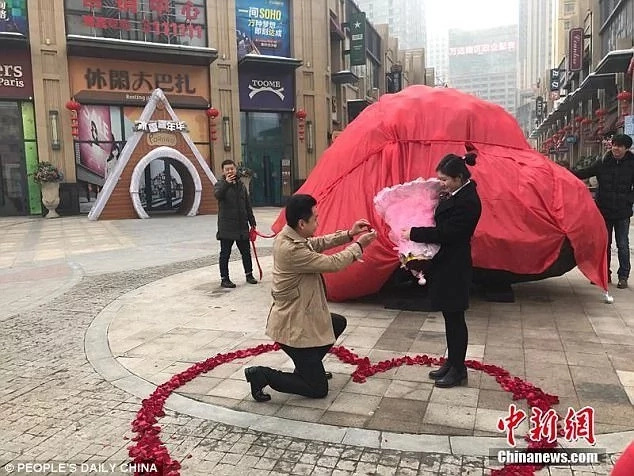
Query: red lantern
x,y
73,106
212,114
301,116
600,112
624,96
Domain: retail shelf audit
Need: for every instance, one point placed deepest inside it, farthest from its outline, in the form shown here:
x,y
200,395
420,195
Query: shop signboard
x,y
16,77
102,81
539,107
13,17
180,22
262,28
554,79
357,39
575,49
268,91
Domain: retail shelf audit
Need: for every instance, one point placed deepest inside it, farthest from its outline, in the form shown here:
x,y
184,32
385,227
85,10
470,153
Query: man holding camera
x,y
235,215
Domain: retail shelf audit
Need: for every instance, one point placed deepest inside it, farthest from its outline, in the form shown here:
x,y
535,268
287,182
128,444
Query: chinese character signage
x,y
179,22
13,17
262,28
575,49
16,79
483,49
158,126
267,91
126,82
357,39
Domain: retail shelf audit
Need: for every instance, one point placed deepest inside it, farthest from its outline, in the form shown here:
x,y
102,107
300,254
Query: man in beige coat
x,y
299,319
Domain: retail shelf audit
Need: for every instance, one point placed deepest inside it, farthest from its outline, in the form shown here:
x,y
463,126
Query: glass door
x,y
13,183
266,145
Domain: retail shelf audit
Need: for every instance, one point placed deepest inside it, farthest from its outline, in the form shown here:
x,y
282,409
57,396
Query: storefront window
x,y
179,22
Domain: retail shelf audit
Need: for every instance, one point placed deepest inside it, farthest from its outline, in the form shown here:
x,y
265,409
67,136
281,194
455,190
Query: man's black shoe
x,y
622,283
258,382
226,283
453,378
441,372
251,279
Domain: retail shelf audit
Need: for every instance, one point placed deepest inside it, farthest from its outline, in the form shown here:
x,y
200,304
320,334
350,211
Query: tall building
x,y
438,55
484,63
535,51
535,56
406,19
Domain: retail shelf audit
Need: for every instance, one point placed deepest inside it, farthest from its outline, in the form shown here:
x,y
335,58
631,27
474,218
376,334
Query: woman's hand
x,y
405,233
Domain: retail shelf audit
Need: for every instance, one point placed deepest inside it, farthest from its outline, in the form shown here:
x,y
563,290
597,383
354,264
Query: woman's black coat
x,y
449,276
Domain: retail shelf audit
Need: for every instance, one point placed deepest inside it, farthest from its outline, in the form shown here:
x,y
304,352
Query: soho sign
x,y
258,86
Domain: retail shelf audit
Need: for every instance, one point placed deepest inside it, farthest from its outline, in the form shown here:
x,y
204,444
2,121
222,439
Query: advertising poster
x,y
262,27
13,17
99,141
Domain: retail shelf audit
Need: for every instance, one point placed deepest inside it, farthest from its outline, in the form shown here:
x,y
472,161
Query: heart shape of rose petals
x,y
148,448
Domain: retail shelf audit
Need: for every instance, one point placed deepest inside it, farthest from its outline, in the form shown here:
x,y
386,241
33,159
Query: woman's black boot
x,y
453,378
441,372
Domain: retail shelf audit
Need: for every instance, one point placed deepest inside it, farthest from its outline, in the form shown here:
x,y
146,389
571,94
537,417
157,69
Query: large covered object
x,y
538,219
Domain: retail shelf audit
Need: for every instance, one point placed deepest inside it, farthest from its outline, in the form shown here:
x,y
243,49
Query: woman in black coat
x,y
449,275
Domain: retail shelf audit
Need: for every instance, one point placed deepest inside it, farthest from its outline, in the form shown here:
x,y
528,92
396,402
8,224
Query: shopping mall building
x,y
263,82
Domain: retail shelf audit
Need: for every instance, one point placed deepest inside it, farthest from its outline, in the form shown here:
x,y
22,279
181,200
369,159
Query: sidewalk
x,y
131,303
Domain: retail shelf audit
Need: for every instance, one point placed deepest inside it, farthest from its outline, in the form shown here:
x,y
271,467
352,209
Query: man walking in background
x,y
235,215
615,197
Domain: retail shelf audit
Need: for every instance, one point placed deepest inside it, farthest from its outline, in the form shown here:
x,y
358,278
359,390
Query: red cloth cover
x,y
530,205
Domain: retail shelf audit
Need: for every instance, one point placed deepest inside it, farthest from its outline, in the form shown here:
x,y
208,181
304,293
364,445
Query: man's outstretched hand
x,y
367,238
360,226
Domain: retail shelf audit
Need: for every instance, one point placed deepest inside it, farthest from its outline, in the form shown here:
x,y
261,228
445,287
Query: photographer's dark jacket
x,y
449,276
615,194
234,210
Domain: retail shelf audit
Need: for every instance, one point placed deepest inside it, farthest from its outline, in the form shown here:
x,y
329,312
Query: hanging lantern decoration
x,y
624,98
301,117
74,107
600,113
212,114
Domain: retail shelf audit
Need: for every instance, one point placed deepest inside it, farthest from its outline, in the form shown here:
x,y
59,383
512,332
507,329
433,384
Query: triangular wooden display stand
x,y
119,197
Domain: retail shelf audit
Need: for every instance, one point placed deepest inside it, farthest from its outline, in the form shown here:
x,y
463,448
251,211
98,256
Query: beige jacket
x,y
299,315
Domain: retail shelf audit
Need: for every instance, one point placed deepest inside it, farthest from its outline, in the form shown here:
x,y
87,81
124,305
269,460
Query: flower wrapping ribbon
x,y
148,448
253,234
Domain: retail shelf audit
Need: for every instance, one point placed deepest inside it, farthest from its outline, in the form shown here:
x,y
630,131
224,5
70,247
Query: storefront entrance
x,y
17,151
267,149
162,187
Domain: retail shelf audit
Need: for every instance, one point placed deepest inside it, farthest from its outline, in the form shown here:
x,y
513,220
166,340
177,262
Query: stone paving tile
x,y
55,406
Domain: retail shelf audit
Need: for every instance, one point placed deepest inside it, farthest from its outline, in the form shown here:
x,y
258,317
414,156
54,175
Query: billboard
x,y
16,78
262,28
13,17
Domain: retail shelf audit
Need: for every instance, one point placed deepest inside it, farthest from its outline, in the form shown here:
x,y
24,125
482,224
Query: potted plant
x,y
49,177
245,174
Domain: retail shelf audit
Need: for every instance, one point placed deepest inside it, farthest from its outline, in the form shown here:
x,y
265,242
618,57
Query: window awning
x,y
345,77
268,60
336,32
615,61
14,38
595,81
96,47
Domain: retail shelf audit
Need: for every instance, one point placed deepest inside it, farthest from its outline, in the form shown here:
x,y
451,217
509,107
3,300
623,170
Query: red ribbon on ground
x,y
253,234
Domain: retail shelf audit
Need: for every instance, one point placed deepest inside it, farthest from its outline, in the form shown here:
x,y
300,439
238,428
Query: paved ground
x,y
94,313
